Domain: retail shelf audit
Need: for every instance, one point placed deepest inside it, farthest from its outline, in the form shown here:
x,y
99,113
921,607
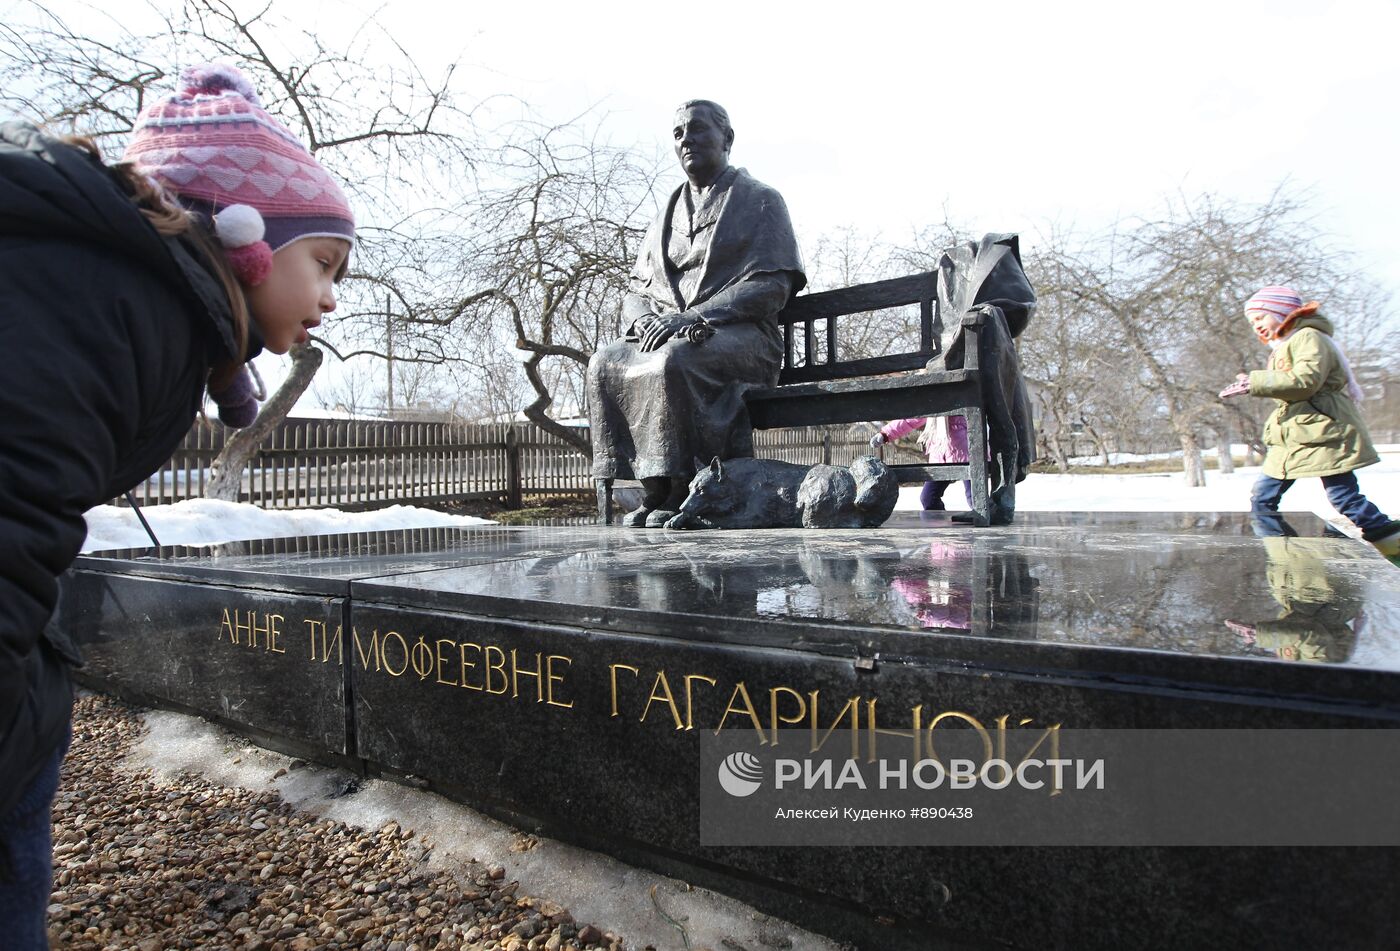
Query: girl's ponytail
x,y
172,221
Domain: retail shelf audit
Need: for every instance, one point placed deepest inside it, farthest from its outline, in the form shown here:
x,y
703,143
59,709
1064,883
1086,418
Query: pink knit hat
x,y
214,147
1275,302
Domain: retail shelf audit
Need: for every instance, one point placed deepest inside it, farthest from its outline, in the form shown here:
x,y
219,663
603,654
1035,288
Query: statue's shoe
x,y
997,517
659,517
637,518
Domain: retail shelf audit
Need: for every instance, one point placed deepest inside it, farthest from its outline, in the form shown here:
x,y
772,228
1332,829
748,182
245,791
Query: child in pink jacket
x,y
944,438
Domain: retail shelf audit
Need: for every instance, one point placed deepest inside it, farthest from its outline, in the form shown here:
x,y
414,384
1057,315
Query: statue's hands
x,y
641,325
654,331
697,331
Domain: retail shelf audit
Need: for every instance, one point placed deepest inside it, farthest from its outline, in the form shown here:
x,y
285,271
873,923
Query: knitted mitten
x,y
237,406
1238,388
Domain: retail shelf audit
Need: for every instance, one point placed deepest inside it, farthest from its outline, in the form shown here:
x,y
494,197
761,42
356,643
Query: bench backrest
x,y
800,335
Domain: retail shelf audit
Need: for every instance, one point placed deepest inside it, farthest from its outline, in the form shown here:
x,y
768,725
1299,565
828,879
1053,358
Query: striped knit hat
x,y
214,147
1274,302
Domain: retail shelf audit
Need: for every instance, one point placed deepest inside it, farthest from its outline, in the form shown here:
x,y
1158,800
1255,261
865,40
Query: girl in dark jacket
x,y
126,292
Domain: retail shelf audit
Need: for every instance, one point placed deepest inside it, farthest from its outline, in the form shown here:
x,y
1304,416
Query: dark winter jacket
x,y
107,332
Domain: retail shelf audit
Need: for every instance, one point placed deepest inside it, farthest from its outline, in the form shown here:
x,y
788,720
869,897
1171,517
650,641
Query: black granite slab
x,y
601,730
247,657
249,632
564,676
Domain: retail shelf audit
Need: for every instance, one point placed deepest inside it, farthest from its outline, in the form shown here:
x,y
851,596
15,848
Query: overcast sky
x,y
1008,114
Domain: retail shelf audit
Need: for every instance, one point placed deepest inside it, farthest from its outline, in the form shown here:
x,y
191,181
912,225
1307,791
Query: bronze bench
x,y
816,387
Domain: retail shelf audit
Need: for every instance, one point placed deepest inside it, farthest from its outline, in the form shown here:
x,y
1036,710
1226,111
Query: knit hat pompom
x,y
239,225
240,230
209,79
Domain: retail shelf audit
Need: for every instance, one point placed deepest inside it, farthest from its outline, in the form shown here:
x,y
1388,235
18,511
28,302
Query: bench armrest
x,y
970,325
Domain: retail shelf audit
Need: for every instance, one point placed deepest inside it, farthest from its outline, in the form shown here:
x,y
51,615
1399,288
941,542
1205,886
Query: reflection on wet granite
x,y
1157,581
357,555
1204,584
1319,613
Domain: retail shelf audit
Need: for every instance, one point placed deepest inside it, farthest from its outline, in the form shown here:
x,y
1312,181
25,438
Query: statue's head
x,y
703,137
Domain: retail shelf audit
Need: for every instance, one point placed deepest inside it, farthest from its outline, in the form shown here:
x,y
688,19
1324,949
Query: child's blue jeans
x,y
26,870
1342,491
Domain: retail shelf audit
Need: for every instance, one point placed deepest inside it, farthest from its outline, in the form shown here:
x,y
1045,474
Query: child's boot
x,y
1387,541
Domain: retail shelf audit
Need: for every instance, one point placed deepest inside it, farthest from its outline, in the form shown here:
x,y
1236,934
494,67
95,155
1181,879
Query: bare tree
x,y
542,258
375,122
226,471
849,256
522,276
356,389
1167,293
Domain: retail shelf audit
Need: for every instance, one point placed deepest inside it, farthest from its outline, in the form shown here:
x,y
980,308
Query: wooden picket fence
x,y
831,445
348,464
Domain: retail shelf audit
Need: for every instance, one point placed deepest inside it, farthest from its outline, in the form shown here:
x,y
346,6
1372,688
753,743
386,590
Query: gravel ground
x,y
186,863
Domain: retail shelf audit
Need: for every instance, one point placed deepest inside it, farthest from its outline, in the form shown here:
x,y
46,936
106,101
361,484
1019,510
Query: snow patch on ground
x,y
1168,492
208,522
1237,450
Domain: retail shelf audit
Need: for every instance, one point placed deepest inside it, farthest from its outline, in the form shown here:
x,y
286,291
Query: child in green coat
x,y
1316,428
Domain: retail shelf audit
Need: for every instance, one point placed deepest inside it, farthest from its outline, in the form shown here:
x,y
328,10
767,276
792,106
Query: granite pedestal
x,y
564,677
